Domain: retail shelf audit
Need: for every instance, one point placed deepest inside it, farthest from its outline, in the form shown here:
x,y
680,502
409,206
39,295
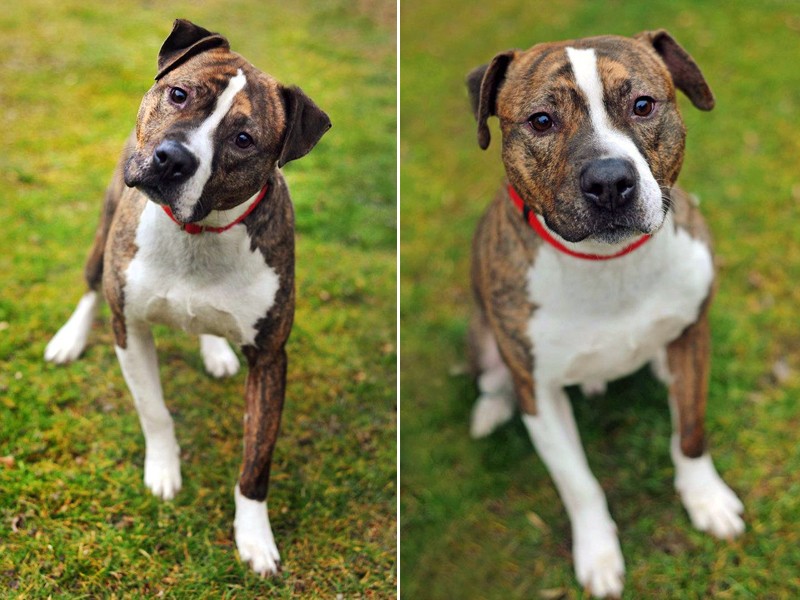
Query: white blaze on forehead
x,y
201,143
613,143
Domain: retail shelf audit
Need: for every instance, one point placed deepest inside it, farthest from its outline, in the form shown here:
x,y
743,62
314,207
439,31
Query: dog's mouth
x,y
616,234
610,231
171,199
164,191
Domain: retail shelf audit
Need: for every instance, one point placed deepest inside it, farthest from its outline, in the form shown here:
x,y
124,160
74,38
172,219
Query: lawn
x,y
481,519
75,517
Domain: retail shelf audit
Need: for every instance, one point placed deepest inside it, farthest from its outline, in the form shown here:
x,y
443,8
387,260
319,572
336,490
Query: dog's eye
x,y
243,140
177,95
644,106
540,121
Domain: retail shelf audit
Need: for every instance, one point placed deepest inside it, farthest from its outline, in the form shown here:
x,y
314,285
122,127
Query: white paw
x,y
253,535
599,565
162,473
490,411
595,387
70,340
712,506
218,357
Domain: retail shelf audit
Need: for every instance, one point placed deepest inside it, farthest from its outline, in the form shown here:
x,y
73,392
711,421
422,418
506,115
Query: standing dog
x,y
202,238
590,264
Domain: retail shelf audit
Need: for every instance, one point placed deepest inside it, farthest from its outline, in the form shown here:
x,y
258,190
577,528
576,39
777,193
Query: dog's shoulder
x,y
271,225
503,244
504,249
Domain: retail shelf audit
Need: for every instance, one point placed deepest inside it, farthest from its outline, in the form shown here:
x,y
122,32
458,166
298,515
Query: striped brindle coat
x,y
592,145
197,232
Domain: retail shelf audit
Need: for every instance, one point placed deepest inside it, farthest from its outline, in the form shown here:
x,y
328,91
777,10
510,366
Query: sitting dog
x,y
589,264
197,232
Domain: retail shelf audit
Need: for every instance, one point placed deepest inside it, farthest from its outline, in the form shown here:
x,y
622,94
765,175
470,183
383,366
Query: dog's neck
x,y
219,221
540,228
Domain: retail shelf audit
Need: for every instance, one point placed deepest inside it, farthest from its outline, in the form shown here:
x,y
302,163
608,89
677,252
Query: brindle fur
x,y
544,169
688,356
503,249
285,125
517,84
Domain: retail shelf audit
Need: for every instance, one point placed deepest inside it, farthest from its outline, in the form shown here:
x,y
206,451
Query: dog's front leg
x,y
139,362
264,393
711,504
599,565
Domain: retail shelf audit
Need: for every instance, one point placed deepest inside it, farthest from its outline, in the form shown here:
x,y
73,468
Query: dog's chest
x,y
604,320
206,283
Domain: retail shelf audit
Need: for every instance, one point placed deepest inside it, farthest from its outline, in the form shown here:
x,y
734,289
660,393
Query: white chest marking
x,y
206,283
601,321
201,143
613,142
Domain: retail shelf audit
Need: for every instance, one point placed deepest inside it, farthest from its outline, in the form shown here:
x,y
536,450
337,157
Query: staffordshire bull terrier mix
x,y
197,232
589,264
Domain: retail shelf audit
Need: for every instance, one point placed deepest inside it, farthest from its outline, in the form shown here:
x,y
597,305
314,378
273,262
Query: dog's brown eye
x,y
644,106
541,121
243,140
177,95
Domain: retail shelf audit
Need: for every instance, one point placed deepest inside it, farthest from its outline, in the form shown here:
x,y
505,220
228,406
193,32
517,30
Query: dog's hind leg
x,y
496,403
68,343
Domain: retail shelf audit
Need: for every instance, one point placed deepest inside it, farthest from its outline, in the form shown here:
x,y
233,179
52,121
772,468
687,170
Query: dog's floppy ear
x,y
482,83
306,123
685,72
185,41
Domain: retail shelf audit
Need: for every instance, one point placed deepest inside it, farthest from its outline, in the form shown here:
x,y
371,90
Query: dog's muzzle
x,y
609,183
173,163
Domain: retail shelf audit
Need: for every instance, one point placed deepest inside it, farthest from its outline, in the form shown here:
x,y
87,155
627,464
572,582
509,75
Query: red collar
x,y
193,228
537,226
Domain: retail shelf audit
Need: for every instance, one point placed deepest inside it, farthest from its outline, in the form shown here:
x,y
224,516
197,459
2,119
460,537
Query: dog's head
x,y
213,127
592,135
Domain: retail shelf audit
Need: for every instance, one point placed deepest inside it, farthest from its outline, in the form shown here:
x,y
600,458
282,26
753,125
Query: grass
x,y
75,517
482,519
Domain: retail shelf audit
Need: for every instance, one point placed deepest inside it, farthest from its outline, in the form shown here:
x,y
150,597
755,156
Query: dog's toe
x,y
716,511
490,411
594,387
712,506
253,535
162,475
63,348
68,343
262,557
599,565
218,357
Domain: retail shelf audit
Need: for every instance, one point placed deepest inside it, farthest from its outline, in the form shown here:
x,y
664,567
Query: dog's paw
x,y
218,357
595,387
261,554
712,506
68,343
599,565
162,473
490,411
253,535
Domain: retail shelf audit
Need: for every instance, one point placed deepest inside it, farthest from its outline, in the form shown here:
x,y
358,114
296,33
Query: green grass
x,y
75,517
482,519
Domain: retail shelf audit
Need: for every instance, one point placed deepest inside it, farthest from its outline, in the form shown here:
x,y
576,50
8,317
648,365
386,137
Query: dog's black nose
x,y
610,183
173,162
